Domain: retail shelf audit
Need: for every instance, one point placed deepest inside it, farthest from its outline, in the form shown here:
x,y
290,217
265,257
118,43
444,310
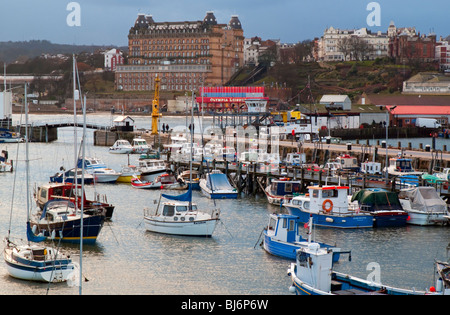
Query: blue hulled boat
x,y
312,274
216,186
282,237
61,220
329,207
383,205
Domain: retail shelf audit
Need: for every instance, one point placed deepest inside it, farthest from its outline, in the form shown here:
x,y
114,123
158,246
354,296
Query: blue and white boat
x,y
282,190
282,237
215,185
7,136
312,274
383,205
97,168
329,207
69,177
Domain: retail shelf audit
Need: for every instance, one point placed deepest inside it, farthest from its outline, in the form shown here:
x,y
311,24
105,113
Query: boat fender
x,y
327,205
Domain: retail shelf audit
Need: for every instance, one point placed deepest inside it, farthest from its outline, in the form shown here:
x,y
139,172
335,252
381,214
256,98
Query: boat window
x,y
288,187
272,223
315,193
168,210
284,223
329,193
291,225
306,205
181,208
44,193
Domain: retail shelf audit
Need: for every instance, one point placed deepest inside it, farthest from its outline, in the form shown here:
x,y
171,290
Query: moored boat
x,y
121,147
312,274
97,168
215,185
329,207
282,190
282,237
61,220
180,216
383,205
424,206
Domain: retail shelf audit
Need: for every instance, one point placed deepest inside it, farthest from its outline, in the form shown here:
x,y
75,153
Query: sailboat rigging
x,y
32,261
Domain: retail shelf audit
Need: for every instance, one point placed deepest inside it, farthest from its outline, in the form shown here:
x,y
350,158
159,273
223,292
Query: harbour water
x,y
128,260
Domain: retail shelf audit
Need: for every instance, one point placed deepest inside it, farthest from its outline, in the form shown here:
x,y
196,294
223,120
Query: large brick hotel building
x,y
184,55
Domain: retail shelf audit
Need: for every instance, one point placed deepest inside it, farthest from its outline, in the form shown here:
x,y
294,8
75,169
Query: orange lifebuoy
x,y
324,205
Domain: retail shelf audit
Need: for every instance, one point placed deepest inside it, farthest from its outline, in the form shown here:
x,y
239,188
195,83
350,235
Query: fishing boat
x,y
67,191
383,205
61,220
180,216
312,274
215,185
190,179
282,237
282,190
69,177
140,146
97,168
150,169
424,206
121,147
31,261
399,166
128,172
329,207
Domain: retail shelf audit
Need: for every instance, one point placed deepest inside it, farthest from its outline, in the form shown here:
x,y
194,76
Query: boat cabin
x,y
348,162
256,105
371,167
282,187
401,165
49,192
171,209
321,199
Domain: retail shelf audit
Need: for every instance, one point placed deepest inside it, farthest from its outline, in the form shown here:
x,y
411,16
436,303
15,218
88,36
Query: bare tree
x,y
344,45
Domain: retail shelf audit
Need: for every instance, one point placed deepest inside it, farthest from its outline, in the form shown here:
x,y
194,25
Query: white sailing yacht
x,y
180,216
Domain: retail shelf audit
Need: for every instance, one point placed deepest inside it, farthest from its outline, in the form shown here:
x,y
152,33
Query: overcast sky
x,y
105,22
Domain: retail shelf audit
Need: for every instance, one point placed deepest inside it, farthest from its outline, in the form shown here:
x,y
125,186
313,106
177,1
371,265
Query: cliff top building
x,y
184,55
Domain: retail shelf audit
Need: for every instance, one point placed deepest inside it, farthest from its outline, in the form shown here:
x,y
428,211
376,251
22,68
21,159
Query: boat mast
x,y
27,161
192,148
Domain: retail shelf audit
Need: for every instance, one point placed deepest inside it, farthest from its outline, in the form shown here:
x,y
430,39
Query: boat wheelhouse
x,y
282,190
329,207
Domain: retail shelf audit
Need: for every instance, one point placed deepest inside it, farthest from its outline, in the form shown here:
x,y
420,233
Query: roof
x,y
420,110
390,100
334,98
122,118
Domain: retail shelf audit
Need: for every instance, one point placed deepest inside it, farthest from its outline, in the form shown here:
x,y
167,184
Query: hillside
x,y
21,51
352,78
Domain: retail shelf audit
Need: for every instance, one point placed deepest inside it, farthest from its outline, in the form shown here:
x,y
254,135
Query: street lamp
x,y
388,110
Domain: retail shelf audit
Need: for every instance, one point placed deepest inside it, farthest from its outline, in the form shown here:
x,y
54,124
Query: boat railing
x,y
349,210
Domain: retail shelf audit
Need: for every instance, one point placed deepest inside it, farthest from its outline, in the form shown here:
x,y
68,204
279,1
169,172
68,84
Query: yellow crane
x,y
155,108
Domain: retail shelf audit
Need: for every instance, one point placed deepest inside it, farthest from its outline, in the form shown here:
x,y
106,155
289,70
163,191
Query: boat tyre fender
x,y
327,205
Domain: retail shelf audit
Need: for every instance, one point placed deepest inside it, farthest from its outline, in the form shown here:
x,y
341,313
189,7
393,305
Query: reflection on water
x,y
129,260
